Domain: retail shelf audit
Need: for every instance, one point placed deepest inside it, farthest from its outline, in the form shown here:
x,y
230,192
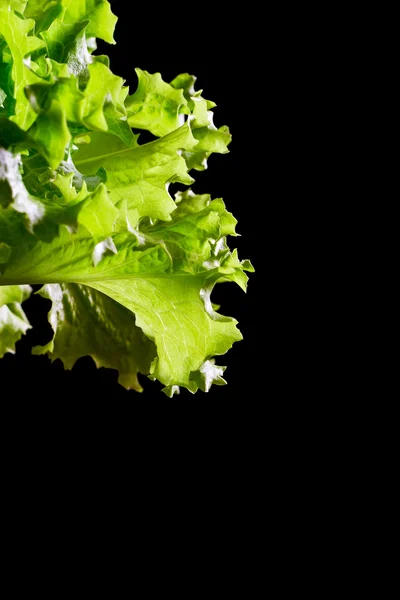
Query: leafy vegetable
x,y
13,322
85,208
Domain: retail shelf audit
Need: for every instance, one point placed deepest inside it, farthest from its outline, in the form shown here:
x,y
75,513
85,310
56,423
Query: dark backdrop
x,y
173,46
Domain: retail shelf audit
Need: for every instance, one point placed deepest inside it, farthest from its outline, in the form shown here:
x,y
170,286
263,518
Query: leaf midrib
x,y
86,161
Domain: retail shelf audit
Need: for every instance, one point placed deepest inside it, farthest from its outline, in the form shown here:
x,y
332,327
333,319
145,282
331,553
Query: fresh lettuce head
x,y
85,208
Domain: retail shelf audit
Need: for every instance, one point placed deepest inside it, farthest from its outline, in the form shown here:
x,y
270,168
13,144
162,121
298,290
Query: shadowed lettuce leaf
x,y
86,322
85,208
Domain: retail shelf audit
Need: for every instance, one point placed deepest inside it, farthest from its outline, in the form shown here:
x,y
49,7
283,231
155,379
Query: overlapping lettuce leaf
x,y
85,208
86,322
13,321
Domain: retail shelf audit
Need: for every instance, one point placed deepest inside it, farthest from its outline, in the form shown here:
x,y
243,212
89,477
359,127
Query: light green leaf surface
x,y
138,176
103,89
18,5
98,13
209,138
13,321
98,214
170,311
17,34
155,105
64,107
66,37
51,133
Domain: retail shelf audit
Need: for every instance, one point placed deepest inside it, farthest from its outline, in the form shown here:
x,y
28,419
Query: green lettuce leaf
x,y
44,12
161,107
77,20
15,72
138,176
163,274
14,194
43,217
86,322
209,138
86,211
13,321
98,14
155,105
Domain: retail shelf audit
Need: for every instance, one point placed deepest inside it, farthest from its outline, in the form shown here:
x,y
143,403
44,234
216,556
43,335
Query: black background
x,y
172,46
